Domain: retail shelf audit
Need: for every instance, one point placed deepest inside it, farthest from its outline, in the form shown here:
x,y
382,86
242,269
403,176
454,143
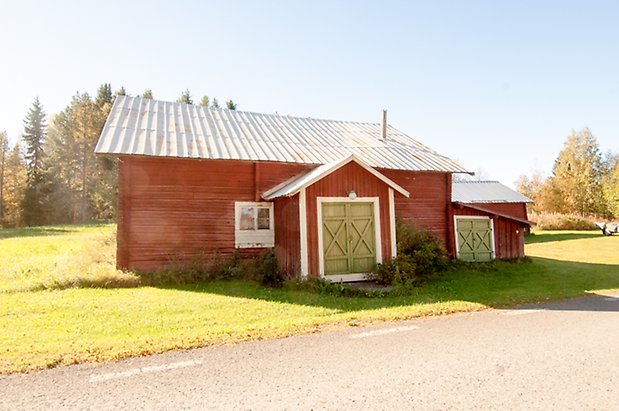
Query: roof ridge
x,y
263,114
424,148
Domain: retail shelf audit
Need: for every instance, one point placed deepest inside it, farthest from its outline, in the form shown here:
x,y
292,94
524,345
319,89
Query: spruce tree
x,y
34,137
33,211
104,94
185,97
230,105
215,103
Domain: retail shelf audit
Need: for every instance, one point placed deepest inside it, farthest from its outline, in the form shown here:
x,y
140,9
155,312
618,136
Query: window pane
x,y
264,219
248,219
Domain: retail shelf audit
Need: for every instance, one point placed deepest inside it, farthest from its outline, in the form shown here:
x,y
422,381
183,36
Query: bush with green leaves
x,y
267,271
420,256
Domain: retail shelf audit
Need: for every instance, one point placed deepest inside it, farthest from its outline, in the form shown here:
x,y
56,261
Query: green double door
x,y
475,239
348,234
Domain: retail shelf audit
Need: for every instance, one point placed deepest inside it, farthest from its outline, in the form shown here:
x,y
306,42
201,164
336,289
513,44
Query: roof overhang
x,y
295,185
494,213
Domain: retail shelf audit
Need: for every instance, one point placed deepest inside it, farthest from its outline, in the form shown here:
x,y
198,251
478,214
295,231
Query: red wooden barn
x,y
324,194
490,220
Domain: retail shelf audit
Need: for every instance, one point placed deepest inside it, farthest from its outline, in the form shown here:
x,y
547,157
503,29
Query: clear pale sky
x,y
497,85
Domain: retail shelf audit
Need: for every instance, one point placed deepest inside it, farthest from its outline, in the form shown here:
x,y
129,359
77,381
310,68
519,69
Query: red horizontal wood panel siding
x,y
429,203
173,209
123,214
351,177
518,210
287,235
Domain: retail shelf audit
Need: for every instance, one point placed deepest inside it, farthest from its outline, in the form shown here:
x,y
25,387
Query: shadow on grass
x,y
591,302
505,285
548,237
45,231
31,232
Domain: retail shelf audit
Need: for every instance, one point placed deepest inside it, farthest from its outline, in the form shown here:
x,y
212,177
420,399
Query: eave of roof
x,y
494,213
292,187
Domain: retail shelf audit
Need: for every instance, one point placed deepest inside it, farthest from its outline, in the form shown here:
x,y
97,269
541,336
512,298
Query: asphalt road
x,y
562,355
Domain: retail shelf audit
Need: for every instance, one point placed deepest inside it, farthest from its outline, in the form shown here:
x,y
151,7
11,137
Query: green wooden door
x,y
475,239
349,243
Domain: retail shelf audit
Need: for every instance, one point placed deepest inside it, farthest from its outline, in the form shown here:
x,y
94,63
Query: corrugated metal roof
x,y
293,186
485,192
155,128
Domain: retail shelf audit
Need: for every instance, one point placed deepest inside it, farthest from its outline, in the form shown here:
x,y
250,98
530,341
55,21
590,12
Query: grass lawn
x,y
50,316
55,257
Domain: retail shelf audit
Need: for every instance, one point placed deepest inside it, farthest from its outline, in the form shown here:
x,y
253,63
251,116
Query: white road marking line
x,y
520,312
385,331
143,370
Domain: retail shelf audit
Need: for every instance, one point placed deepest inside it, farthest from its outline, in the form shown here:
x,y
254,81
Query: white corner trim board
x,y
394,242
303,233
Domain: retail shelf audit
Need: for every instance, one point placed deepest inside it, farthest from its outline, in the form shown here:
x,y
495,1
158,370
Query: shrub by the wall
x,y
420,255
200,268
267,270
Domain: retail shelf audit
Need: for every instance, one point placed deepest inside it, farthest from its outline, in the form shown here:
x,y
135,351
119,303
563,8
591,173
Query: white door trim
x,y
303,233
377,237
469,217
394,242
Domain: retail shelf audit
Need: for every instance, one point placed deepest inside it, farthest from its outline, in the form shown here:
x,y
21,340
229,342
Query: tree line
x,y
583,181
51,174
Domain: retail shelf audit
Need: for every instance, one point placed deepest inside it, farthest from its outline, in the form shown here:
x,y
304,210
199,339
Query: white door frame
x,y
472,217
377,237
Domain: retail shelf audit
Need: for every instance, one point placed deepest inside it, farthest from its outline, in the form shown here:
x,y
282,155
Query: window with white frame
x,y
253,224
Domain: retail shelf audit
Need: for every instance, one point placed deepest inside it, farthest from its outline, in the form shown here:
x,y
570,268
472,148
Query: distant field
x,y
50,316
579,246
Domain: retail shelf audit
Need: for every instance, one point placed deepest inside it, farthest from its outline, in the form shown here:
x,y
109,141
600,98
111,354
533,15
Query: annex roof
x,y
494,213
137,126
293,186
485,192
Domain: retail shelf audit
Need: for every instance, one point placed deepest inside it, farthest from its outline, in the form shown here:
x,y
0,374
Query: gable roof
x,y
485,192
293,186
137,126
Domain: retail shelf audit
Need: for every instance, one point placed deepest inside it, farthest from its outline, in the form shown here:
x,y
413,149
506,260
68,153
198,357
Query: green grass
x,y
55,257
578,246
50,327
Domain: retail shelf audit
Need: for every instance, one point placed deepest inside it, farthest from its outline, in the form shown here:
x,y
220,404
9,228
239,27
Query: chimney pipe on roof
x,y
384,124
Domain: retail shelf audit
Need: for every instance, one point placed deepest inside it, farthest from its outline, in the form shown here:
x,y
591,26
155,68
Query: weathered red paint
x,y
518,210
429,203
287,235
173,209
